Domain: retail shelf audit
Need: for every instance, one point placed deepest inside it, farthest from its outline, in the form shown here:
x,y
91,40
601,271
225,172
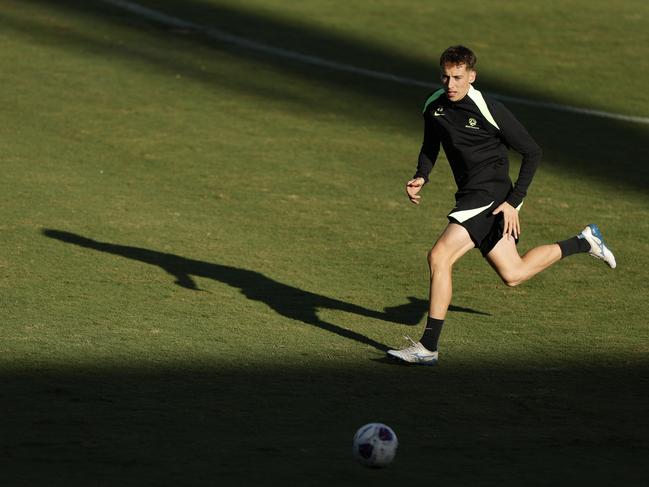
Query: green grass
x,y
137,158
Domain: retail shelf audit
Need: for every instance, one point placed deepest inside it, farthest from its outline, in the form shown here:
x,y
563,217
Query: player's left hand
x,y
512,224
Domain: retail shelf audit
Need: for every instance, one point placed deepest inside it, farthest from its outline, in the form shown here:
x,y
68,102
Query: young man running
x,y
476,132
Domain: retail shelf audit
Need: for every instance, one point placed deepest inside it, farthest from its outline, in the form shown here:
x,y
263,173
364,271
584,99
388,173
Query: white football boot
x,y
415,354
598,248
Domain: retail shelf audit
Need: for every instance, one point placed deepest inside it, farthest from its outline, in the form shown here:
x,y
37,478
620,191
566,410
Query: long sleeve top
x,y
476,133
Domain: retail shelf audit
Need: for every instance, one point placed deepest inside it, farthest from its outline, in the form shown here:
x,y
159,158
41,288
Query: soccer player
x,y
476,132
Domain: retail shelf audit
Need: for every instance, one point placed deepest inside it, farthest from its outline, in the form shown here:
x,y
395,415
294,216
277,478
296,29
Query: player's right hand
x,y
412,188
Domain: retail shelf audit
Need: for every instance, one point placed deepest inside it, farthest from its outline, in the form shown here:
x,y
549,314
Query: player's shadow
x,y
289,301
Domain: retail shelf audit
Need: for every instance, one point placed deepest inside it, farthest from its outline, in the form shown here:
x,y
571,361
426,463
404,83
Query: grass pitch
x,y
206,250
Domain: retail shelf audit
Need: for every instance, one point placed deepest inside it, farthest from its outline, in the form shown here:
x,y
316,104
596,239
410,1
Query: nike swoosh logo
x,y
424,356
437,114
599,243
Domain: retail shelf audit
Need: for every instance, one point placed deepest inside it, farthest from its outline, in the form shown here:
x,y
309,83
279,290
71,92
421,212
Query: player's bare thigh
x,y
504,255
514,269
452,244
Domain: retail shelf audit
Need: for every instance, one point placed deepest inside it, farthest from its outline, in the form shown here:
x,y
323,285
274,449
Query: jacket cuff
x,y
421,175
514,200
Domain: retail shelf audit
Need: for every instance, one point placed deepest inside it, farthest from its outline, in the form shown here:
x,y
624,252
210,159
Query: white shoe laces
x,y
414,343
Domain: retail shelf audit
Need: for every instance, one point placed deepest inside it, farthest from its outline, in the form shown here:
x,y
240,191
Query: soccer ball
x,y
375,445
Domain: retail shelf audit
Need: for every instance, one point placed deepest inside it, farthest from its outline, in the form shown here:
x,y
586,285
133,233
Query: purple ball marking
x,y
365,450
385,434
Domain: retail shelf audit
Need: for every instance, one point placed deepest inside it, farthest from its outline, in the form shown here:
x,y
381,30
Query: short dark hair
x,y
456,55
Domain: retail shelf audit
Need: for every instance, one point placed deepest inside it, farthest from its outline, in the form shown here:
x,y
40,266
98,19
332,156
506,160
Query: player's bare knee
x,y
430,260
511,279
438,258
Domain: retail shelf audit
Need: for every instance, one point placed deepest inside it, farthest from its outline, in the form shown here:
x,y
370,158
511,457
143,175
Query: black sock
x,y
431,333
574,245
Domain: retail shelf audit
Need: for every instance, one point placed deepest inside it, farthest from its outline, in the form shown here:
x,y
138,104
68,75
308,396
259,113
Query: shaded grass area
x,y
470,424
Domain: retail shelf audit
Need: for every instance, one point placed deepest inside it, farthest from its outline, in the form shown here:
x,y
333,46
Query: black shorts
x,y
485,229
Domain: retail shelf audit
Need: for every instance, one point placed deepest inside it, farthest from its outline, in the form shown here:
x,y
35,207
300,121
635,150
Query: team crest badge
x,y
473,124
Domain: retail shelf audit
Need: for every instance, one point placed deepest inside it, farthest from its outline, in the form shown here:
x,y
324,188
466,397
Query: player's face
x,y
457,80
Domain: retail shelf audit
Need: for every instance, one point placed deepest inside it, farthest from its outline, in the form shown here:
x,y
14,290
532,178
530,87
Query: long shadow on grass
x,y
211,424
567,138
289,301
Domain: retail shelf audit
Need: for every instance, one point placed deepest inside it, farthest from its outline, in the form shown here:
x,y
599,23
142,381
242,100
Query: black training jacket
x,y
476,133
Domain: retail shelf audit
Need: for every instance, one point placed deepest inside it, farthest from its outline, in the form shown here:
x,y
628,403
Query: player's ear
x,y
472,75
